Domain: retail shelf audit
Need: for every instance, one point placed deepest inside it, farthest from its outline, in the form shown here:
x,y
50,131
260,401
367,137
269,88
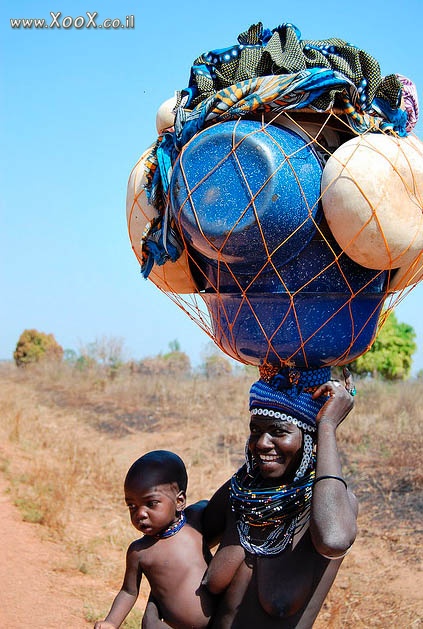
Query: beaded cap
x,y
287,396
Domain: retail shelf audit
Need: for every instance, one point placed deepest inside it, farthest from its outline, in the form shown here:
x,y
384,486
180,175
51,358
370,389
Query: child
x,y
171,551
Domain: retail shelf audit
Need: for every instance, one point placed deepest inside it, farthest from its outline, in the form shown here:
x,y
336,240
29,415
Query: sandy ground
x,y
33,593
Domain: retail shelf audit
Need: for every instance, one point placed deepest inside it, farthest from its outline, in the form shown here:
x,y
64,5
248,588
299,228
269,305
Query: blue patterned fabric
x,y
289,393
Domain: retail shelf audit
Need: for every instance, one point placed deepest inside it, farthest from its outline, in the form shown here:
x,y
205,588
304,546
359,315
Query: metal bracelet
x,y
316,480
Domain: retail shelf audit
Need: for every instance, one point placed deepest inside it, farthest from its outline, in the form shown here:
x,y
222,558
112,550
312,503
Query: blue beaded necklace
x,y
173,528
279,512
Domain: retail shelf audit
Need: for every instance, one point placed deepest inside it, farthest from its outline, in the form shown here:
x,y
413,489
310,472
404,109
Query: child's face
x,y
153,508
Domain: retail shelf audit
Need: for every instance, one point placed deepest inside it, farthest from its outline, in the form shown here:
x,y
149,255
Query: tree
x,y
174,346
34,346
70,357
390,356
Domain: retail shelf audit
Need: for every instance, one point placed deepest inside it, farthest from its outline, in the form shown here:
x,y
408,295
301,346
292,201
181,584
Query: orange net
x,y
278,270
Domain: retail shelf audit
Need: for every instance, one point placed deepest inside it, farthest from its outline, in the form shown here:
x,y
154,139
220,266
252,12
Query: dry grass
x,y
69,436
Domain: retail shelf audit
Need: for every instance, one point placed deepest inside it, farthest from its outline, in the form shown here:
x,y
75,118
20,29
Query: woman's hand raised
x,y
340,400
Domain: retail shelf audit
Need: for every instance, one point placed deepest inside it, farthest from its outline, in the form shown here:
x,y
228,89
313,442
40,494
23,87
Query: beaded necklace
x,y
173,528
279,512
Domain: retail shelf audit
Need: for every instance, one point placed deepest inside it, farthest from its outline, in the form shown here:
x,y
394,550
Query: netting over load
x,y
287,233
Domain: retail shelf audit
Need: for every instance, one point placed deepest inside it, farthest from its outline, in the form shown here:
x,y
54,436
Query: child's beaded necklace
x,y
173,528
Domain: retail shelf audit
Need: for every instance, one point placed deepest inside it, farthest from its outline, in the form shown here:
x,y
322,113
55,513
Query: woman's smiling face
x,y
276,447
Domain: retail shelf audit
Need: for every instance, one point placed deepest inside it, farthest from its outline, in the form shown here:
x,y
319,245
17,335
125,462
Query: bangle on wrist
x,y
316,480
328,421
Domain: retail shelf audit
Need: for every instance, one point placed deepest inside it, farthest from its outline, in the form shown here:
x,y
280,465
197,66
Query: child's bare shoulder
x,y
194,514
139,545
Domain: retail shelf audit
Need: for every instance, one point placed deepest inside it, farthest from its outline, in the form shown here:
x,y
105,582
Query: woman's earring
x,y
249,461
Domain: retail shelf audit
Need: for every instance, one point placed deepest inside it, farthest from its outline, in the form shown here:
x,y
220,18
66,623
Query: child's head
x,y
155,491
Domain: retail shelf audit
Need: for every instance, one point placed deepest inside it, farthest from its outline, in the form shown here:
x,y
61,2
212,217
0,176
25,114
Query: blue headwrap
x,y
288,396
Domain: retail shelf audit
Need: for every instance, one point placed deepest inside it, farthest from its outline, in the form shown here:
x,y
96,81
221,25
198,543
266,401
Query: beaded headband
x,y
287,396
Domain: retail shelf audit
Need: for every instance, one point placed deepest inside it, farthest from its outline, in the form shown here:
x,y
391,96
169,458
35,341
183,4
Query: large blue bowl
x,y
321,267
241,191
308,329
276,284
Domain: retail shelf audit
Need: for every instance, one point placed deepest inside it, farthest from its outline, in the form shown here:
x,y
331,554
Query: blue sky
x,y
78,108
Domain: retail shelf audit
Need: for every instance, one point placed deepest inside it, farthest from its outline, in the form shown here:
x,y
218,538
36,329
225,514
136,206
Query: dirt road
x,y
33,591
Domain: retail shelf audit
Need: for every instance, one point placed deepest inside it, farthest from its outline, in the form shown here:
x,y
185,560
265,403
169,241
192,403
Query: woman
x,y
287,515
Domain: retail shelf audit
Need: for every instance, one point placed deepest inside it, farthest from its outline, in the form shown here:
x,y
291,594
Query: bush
x,y
34,346
177,363
174,363
391,355
216,366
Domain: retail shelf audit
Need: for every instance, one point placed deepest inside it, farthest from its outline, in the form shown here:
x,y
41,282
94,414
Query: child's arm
x,y
121,607
128,594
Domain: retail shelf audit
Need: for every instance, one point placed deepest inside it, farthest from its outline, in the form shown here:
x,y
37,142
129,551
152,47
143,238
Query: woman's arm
x,y
227,559
220,525
194,514
333,524
214,515
128,594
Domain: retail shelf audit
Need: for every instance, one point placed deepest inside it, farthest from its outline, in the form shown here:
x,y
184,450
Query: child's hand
x,y
103,624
